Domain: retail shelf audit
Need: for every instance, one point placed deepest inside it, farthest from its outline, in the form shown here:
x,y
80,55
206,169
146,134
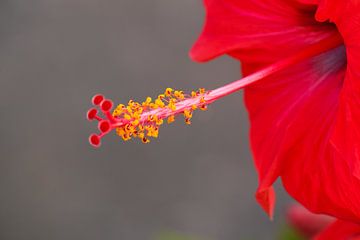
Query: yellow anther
x,y
193,94
179,94
201,90
135,122
202,100
120,131
126,137
118,110
203,107
159,122
168,92
129,109
155,132
131,103
153,105
194,107
149,130
171,119
135,107
159,103
161,96
129,128
147,102
187,121
145,140
116,113
136,115
135,133
171,104
187,114
141,135
127,116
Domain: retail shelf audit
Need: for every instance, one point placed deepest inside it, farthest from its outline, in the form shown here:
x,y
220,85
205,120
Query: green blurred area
x,y
286,233
169,235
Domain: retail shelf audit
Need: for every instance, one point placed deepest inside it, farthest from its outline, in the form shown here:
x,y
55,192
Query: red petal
x,y
304,121
292,114
340,230
346,137
260,31
340,195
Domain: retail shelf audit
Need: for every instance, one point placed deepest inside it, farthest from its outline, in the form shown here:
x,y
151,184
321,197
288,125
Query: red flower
x,y
305,120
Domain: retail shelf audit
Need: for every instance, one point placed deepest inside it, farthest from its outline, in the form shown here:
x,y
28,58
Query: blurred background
x,y
196,181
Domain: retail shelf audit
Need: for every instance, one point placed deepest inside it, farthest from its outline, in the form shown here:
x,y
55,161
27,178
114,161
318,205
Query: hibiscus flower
x,y
305,120
301,60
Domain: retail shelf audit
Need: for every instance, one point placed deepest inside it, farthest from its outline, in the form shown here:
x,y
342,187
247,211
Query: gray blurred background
x,y
197,180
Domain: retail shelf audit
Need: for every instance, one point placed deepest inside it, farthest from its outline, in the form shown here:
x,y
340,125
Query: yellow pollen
x,y
159,122
143,128
203,107
147,102
187,113
171,119
136,115
179,95
159,103
120,131
129,109
153,105
145,140
168,92
118,110
135,122
141,135
171,104
126,137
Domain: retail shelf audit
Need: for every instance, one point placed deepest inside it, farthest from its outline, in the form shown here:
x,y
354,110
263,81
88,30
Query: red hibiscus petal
x,y
291,116
260,31
346,137
305,120
340,230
